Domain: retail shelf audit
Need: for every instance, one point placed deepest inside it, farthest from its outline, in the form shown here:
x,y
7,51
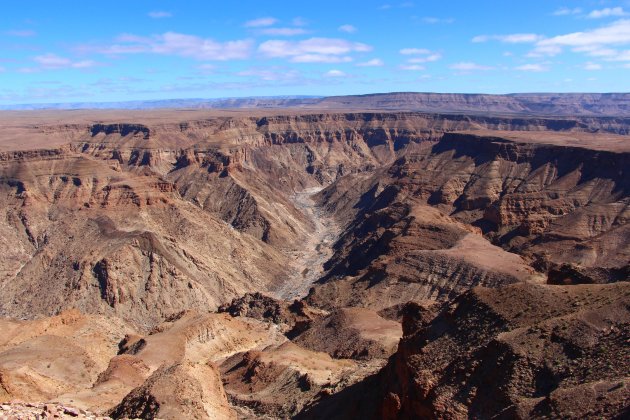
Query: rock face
x,y
45,411
46,358
420,221
571,104
187,390
318,264
352,333
521,351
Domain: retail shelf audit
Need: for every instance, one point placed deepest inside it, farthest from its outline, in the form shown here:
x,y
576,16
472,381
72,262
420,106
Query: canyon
x,y
357,258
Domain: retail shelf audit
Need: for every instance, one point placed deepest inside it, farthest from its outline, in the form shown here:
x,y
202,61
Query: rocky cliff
x,y
488,225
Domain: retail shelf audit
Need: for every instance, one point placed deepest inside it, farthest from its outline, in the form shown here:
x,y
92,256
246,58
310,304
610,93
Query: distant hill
x,y
542,104
559,104
195,103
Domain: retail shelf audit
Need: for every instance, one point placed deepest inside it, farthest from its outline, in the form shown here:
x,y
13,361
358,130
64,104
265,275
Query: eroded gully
x,y
308,261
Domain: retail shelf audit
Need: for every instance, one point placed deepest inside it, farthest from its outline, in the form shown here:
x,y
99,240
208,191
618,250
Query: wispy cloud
x,y
23,33
426,59
334,73
403,5
414,51
54,62
313,50
347,29
566,11
469,66
508,39
271,74
299,21
607,12
261,22
173,43
435,20
412,67
375,62
590,66
536,68
159,14
206,68
51,61
283,31
418,56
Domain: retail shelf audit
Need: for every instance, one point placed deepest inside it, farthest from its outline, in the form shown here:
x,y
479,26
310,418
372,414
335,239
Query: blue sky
x,y
65,51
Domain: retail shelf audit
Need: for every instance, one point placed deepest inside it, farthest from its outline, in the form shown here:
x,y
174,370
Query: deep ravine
x,y
307,264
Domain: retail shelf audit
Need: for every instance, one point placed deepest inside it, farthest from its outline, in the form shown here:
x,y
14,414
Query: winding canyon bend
x,y
313,263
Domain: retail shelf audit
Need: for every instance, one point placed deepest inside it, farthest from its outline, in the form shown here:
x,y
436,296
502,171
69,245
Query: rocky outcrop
x,y
186,390
281,380
41,360
352,333
20,410
120,129
521,351
291,318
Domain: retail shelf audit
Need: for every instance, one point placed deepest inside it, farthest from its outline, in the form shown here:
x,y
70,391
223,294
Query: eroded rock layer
x,y
144,261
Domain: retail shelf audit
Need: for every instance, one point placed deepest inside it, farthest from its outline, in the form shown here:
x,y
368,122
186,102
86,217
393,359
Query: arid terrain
x,y
382,261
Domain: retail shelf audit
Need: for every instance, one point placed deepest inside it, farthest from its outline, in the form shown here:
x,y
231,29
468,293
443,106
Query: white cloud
x,y
313,50
320,58
412,67
261,22
160,14
422,55
347,29
375,62
427,59
434,20
414,51
23,33
283,31
607,12
270,74
468,66
334,73
595,42
173,43
508,39
403,5
565,11
592,66
536,68
54,62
